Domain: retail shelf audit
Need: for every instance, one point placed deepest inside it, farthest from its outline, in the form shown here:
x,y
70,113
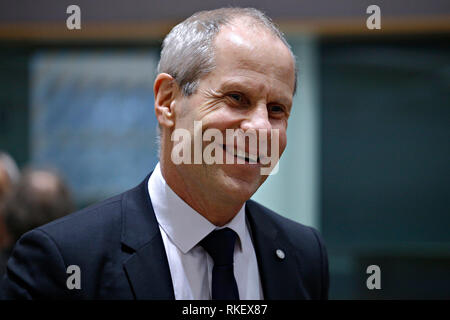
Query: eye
x,y
237,97
276,109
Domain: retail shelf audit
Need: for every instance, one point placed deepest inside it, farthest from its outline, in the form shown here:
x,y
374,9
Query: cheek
x,y
188,111
283,141
183,115
222,118
281,126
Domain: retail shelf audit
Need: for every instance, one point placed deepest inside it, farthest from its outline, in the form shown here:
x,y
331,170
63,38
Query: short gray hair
x,y
187,51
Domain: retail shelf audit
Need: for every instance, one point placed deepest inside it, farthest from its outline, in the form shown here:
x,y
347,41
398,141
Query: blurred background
x,y
368,153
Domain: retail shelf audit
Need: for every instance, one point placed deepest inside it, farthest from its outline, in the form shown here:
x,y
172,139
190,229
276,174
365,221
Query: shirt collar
x,y
182,224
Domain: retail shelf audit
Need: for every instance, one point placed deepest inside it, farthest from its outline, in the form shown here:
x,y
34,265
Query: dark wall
x,y
14,85
154,10
385,158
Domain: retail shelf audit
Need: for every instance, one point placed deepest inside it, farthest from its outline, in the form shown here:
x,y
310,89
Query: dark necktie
x,y
220,246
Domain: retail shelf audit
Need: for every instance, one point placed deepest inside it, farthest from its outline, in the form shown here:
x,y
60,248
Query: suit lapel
x,y
148,273
280,278
147,268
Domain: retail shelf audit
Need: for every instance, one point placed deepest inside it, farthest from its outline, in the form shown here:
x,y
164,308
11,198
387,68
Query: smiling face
x,y
251,87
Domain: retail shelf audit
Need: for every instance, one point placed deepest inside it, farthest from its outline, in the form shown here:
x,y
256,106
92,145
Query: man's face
x,y
251,87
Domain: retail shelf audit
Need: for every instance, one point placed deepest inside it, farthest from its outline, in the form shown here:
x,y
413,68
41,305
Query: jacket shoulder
x,y
92,220
89,238
291,228
307,243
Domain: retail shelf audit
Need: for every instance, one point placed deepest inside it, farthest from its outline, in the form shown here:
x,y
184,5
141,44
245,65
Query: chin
x,y
240,188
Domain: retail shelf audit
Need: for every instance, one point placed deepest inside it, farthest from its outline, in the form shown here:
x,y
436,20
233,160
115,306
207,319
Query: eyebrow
x,y
246,87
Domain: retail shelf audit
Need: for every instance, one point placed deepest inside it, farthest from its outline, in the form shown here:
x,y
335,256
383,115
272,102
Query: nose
x,y
258,118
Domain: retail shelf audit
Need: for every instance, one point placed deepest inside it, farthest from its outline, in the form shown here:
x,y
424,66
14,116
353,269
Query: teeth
x,y
243,155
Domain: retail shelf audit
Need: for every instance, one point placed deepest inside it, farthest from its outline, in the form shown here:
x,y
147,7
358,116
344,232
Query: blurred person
x,y
9,176
40,196
9,173
189,230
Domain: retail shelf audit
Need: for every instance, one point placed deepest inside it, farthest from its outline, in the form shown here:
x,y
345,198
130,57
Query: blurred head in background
x,y
41,196
9,177
9,174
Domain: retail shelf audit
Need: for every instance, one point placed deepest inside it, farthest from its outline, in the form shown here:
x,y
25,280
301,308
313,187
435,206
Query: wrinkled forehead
x,y
257,49
244,33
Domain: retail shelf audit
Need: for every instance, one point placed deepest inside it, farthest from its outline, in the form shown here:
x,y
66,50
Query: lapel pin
x,y
280,254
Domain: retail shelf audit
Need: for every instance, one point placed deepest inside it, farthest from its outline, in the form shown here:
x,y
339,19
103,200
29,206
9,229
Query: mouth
x,y
240,154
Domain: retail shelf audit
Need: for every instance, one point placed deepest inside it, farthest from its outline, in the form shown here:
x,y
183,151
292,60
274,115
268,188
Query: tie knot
x,y
220,246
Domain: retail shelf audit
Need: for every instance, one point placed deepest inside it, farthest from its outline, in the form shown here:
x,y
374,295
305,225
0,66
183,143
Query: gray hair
x,y
187,51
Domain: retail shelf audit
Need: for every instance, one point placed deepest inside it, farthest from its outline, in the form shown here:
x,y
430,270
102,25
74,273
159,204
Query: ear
x,y
165,90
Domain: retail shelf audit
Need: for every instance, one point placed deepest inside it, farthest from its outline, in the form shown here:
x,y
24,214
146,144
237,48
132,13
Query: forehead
x,y
253,51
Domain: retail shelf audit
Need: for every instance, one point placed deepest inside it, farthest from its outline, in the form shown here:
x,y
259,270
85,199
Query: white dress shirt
x,y
182,228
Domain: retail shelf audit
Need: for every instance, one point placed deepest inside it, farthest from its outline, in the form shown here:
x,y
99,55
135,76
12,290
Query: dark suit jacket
x,y
118,247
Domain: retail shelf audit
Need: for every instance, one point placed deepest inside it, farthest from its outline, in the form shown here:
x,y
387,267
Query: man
x,y
189,230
